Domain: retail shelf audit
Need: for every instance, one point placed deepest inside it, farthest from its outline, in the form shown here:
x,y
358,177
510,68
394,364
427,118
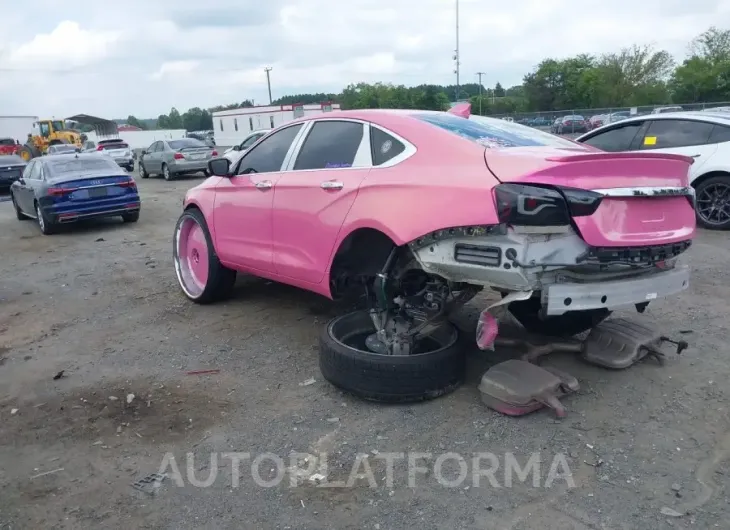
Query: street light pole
x,y
268,82
480,74
456,54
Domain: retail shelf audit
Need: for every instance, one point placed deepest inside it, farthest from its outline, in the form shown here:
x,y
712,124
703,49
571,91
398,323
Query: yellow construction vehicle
x,y
46,133
51,132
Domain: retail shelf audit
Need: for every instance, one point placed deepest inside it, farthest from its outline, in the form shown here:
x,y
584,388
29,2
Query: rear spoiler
x,y
462,110
613,156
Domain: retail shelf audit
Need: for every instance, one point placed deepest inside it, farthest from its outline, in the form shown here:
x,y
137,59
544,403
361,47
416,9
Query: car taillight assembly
x,y
127,183
179,156
214,153
59,192
530,205
100,148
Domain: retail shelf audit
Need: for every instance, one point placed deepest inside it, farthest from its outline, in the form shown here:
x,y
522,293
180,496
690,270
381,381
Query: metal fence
x,y
596,117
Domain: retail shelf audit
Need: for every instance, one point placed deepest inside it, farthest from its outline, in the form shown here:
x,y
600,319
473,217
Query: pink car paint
x,y
291,231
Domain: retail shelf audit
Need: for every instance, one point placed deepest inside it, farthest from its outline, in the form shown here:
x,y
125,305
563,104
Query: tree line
x,y
631,77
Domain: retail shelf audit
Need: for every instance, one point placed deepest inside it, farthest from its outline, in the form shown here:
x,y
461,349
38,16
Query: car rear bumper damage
x,y
560,298
559,265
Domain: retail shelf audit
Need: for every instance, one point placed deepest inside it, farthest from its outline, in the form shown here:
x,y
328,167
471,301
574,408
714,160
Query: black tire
x,y
206,173
18,212
166,173
130,168
131,217
29,152
142,171
723,180
566,325
220,279
47,226
389,378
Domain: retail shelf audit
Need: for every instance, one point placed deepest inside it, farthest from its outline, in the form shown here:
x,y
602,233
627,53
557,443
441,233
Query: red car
x,y
8,146
414,212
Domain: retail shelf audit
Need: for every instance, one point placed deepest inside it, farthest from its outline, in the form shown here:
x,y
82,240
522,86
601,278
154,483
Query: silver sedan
x,y
171,158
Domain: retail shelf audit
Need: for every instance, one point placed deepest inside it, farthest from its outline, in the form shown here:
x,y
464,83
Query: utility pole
x,y
268,82
480,74
456,54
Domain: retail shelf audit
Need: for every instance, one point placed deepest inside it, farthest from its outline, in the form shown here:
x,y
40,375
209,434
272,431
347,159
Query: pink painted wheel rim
x,y
192,257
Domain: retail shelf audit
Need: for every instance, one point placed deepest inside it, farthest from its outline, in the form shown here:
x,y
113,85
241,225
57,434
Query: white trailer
x,y
232,126
17,127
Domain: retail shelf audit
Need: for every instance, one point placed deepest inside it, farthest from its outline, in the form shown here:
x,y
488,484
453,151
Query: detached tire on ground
x,y
527,313
346,363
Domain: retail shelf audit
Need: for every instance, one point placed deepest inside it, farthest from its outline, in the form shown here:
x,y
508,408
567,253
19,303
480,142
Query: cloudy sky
x,y
115,58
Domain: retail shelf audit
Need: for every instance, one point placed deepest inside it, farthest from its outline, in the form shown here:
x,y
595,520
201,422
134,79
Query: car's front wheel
x,y
436,367
200,274
527,313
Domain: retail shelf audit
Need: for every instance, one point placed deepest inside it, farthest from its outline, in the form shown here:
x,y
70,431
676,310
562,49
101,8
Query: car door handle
x,y
332,185
264,185
695,156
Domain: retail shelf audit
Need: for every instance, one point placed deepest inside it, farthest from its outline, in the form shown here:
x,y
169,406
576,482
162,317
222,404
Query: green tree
x,y
132,120
705,74
499,91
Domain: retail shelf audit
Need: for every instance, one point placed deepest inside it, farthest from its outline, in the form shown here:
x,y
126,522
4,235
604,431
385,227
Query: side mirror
x,y
219,167
21,180
236,147
144,152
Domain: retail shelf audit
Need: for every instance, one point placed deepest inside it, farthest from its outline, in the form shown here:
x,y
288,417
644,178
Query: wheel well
x,y
55,142
699,180
362,253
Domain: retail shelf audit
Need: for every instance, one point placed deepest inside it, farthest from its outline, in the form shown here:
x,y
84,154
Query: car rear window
x,y
7,141
493,133
86,164
185,143
114,145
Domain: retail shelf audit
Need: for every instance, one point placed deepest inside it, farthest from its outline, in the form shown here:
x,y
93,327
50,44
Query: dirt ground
x,y
101,304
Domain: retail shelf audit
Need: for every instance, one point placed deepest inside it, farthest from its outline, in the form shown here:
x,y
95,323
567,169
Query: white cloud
x,y
142,57
66,46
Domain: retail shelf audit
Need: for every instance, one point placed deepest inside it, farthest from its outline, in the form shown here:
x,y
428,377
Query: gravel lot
x,y
100,303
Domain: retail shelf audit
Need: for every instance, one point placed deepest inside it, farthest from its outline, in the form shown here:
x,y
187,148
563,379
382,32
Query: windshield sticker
x,y
386,146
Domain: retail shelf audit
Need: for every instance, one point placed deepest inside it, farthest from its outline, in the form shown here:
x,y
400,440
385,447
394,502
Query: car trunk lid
x,y
646,196
195,153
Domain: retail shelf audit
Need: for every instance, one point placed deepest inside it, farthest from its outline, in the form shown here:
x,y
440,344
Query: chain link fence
x,y
576,121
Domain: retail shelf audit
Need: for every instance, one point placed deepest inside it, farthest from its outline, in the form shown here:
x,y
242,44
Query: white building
x,y
17,127
140,139
232,126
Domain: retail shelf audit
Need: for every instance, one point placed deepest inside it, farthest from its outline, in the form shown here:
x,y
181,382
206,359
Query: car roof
x,y
11,159
107,166
721,118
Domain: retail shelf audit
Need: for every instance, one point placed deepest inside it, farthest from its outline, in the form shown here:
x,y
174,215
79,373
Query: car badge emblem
x,y
95,182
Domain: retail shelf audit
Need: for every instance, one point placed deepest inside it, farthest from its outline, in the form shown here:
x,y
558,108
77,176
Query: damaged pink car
x,y
414,213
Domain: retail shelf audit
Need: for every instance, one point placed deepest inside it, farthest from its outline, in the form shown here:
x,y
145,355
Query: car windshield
x,y
86,164
493,133
58,125
185,143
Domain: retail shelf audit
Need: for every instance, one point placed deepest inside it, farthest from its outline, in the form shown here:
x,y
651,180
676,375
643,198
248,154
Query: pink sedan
x,y
414,212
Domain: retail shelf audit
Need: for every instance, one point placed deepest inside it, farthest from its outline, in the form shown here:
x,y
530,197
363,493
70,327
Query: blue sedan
x,y
63,189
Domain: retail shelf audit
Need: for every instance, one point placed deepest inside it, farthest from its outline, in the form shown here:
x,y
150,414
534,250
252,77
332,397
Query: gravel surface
x,y
647,447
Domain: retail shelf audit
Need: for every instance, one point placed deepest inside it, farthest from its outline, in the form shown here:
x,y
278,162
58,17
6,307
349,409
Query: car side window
x,y
268,156
663,134
250,141
616,139
383,146
720,133
330,144
29,169
35,173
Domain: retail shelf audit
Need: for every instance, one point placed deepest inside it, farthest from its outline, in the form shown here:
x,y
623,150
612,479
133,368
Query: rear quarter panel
x,y
445,184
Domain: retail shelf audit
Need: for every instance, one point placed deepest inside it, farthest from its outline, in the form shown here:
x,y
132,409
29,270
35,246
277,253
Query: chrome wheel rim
x,y
191,257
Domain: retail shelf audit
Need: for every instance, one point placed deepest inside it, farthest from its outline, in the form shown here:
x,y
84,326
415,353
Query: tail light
x,y
214,153
525,205
179,156
100,148
59,192
127,183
